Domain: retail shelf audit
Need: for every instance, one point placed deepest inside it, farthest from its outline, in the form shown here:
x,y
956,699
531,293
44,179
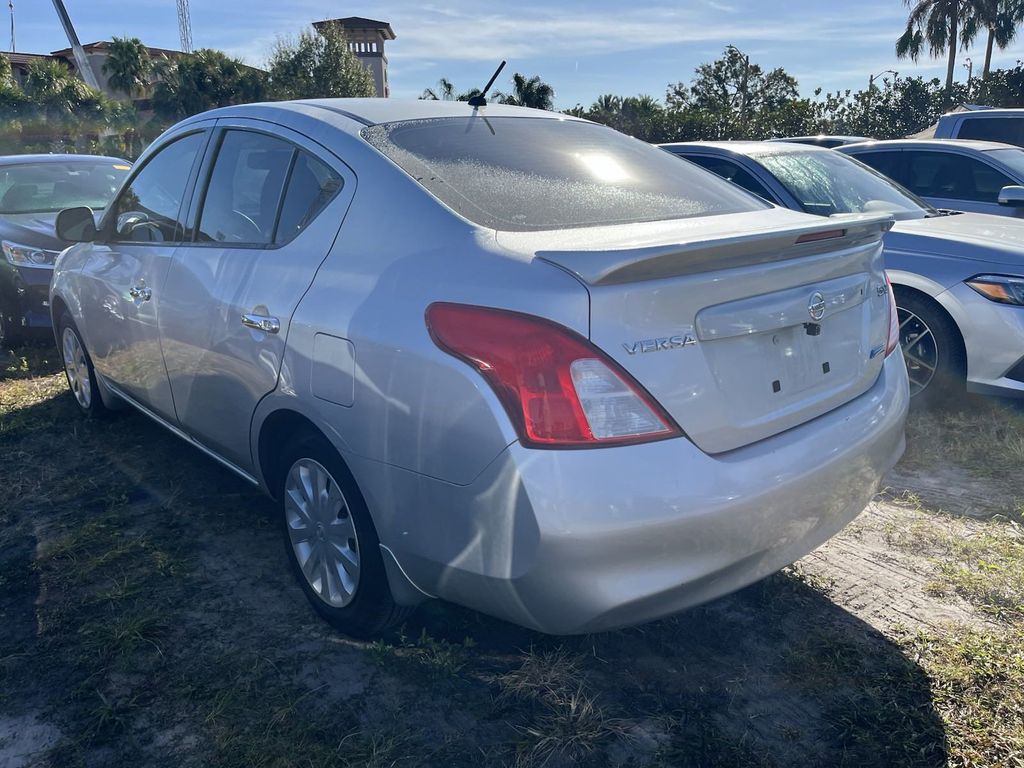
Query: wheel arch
x,y
906,290
275,430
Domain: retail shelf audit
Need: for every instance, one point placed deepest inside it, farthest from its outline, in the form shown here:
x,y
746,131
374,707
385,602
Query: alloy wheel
x,y
322,532
77,368
920,351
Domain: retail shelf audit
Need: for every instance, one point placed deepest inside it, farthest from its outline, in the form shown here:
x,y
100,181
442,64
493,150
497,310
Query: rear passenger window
x,y
310,188
245,189
953,176
1009,130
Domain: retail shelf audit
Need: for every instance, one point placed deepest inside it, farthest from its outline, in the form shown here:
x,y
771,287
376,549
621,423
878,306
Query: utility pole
x,y
871,93
14,43
969,65
81,60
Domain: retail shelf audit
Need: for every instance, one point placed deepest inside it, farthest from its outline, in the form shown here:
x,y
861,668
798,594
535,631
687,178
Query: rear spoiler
x,y
597,267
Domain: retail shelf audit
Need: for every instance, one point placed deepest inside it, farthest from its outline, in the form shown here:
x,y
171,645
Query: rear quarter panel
x,y
412,405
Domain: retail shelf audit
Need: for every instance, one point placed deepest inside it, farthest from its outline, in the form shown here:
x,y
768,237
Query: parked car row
x,y
516,360
958,277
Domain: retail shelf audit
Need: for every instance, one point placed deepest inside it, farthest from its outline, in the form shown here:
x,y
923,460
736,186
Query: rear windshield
x,y
523,174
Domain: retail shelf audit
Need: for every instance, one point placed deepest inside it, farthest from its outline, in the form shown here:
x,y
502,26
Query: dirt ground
x,y
148,618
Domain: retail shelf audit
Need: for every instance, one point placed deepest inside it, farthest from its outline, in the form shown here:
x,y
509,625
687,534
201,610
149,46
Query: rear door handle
x,y
263,323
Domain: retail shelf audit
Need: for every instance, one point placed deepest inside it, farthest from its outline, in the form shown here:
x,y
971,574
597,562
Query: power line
x,y
184,26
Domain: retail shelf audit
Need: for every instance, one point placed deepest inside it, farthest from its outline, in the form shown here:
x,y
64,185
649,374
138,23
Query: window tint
x,y
524,174
886,163
953,176
148,209
245,188
1009,130
310,187
731,171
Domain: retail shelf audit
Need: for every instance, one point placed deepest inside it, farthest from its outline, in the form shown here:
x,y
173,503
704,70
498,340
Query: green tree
x,y
937,25
999,20
204,80
128,66
318,65
528,92
739,93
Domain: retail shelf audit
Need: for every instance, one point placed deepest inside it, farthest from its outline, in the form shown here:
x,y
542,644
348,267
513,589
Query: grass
x,y
147,610
986,438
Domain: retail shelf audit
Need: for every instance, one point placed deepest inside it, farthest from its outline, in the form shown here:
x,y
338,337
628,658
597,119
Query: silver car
x,y
502,357
958,277
976,176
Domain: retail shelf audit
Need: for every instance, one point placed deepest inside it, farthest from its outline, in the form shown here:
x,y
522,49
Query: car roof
x,y
975,144
375,111
980,110
821,136
64,158
746,147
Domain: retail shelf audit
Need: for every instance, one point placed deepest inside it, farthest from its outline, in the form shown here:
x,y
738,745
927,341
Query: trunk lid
x,y
735,327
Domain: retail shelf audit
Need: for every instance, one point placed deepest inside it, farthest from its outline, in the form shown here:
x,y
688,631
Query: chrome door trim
x,y
183,435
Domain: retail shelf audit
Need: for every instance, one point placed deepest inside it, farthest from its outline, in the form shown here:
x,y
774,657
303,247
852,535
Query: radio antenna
x,y
480,100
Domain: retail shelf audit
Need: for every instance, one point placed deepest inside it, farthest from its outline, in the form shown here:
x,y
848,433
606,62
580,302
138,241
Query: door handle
x,y
140,292
263,323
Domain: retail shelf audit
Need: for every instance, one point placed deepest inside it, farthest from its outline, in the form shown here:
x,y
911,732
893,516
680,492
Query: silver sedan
x,y
502,357
958,277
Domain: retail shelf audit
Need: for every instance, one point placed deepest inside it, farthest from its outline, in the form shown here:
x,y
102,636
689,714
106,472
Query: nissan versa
x,y
33,188
498,356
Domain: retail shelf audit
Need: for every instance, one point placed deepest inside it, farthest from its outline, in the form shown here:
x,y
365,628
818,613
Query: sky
x,y
583,48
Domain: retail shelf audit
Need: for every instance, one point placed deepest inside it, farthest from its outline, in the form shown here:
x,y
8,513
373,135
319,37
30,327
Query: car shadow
x,y
775,675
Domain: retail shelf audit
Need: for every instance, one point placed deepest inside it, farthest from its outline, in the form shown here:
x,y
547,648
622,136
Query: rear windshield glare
x,y
524,174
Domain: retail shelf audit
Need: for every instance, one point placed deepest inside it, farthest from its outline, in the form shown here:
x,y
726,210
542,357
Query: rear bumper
x,y
993,337
569,542
25,299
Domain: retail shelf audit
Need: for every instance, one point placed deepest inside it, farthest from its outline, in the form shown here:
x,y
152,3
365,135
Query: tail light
x,y
559,390
894,321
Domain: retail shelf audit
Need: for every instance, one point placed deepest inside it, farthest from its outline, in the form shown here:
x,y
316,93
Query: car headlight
x,y
1000,288
28,255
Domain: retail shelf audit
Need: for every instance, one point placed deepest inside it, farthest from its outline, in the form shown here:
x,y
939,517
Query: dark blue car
x,y
33,189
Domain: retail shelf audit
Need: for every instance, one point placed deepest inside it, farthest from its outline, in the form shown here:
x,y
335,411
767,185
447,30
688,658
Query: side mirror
x,y
77,225
1012,196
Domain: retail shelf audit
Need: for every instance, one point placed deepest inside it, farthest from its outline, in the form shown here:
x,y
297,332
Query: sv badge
x,y
660,344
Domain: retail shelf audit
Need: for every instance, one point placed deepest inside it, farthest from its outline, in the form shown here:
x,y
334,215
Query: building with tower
x,y
366,38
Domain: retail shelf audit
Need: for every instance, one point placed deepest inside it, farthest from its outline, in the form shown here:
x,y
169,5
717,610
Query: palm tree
x,y
935,24
58,93
532,92
999,19
445,91
127,66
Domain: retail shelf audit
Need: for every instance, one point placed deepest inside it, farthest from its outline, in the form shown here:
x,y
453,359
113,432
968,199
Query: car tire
x,y
78,369
331,541
933,351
